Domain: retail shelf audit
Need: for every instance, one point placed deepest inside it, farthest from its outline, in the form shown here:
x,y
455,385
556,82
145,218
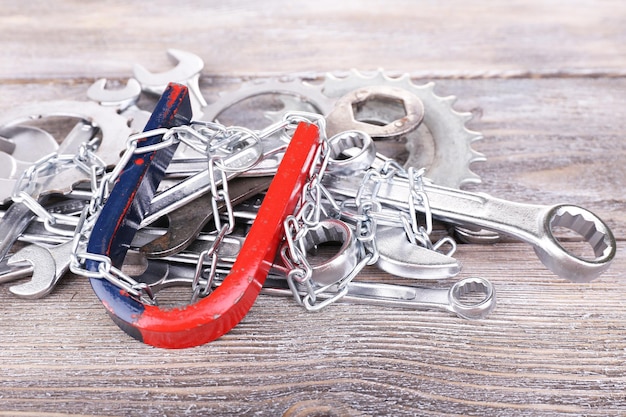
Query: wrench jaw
x,y
121,98
560,260
187,72
398,257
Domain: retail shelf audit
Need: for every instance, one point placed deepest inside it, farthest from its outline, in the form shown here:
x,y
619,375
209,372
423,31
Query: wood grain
x,y
458,39
545,83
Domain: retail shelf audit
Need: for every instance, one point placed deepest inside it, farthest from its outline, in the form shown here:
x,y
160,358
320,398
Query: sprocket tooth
x,y
451,100
466,116
477,157
475,136
404,78
471,178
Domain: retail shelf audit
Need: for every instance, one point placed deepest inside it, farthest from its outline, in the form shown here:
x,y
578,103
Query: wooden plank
x,y
550,348
546,90
486,39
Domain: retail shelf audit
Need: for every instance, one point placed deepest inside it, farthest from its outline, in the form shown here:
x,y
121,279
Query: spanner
x,y
22,145
533,224
469,298
49,266
11,269
114,130
187,72
122,99
186,222
113,127
19,215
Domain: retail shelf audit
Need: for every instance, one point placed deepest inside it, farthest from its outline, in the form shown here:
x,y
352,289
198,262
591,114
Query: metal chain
x,y
29,183
101,188
219,194
225,142
316,203
417,232
213,142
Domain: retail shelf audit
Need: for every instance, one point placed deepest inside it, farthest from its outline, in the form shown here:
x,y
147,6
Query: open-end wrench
x,y
11,269
122,99
22,145
49,266
114,130
187,72
113,127
27,144
186,222
19,214
397,256
531,223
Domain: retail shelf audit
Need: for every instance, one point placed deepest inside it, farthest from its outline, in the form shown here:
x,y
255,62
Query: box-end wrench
x,y
469,298
531,223
534,224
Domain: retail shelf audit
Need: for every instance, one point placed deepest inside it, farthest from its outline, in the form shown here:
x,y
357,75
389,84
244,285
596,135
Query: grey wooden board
x,y
545,82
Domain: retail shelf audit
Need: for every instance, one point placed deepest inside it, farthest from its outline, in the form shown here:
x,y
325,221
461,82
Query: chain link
x,y
418,231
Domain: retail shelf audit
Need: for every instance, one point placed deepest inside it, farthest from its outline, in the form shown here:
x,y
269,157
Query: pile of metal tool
x,y
180,221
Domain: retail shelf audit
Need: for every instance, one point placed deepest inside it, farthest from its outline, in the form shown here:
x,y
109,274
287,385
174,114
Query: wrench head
x,y
188,66
472,298
44,274
398,257
118,97
562,259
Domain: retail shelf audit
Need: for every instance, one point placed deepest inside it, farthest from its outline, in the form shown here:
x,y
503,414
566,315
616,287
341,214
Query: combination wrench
x,y
469,298
534,224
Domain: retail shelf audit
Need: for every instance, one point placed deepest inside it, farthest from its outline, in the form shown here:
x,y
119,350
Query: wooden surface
x,y
546,84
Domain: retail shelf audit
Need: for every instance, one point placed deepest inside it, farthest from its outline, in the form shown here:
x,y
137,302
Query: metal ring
x,y
339,266
472,310
349,140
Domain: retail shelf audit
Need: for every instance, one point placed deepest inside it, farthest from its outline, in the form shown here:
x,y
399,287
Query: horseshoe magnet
x,y
215,315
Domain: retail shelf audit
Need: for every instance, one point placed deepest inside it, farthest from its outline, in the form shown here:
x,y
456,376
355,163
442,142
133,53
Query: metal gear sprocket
x,y
442,144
